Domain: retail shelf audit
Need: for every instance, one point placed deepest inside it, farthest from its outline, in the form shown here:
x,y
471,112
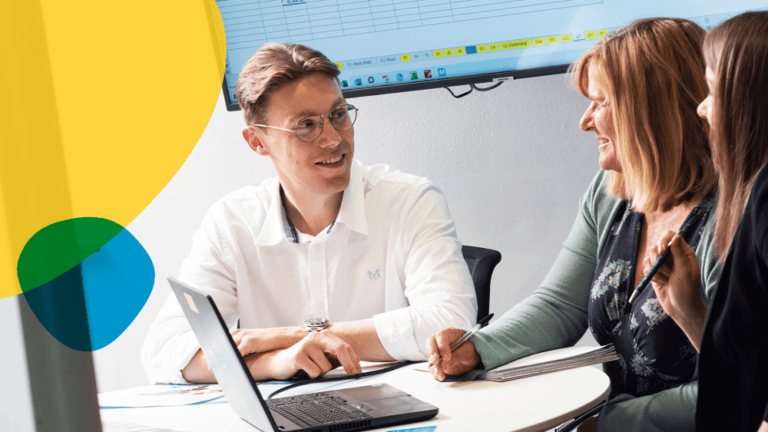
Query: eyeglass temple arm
x,y
274,127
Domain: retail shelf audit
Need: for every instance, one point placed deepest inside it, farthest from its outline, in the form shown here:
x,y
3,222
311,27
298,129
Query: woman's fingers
x,y
665,240
444,339
437,371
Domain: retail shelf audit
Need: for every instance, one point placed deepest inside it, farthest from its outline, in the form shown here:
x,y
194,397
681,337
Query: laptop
x,y
352,409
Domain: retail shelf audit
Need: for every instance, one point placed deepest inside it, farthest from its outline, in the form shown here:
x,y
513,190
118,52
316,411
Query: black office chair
x,y
481,263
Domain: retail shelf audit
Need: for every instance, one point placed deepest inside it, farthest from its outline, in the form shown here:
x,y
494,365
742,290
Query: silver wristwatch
x,y
315,324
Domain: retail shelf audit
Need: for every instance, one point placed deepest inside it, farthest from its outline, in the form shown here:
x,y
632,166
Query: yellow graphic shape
x,y
339,65
101,104
553,39
438,54
566,38
482,48
460,51
448,52
493,47
602,33
591,34
405,57
539,41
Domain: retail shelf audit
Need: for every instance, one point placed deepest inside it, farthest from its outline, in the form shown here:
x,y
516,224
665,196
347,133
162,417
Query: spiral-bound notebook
x,y
551,361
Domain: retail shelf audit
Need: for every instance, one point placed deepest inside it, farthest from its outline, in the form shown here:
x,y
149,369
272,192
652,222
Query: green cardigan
x,y
555,316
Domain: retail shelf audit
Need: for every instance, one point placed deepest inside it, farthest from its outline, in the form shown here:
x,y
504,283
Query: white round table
x,y
531,404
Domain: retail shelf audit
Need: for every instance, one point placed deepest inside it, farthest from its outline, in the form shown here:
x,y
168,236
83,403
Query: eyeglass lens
x,y
342,118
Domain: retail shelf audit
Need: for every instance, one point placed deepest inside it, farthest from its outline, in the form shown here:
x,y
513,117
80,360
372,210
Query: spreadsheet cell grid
x,y
433,21
379,20
336,33
357,16
360,30
325,16
307,20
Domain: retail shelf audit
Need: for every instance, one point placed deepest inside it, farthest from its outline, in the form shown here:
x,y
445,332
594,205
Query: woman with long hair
x,y
643,83
733,367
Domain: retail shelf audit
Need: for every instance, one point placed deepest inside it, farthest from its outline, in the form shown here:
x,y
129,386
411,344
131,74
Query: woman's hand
x,y
678,285
464,359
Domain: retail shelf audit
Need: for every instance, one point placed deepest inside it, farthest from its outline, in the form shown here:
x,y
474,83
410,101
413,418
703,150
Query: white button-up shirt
x,y
392,254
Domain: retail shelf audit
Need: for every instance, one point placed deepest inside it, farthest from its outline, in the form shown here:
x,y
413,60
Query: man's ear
x,y
253,136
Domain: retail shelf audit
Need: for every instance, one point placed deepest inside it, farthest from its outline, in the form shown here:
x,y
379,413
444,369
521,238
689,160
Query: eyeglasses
x,y
310,128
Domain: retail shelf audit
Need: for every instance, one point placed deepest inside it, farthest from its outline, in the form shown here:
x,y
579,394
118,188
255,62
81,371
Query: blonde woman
x,y
644,83
734,356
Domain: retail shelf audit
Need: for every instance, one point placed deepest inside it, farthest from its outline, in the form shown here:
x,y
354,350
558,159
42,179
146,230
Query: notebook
x,y
541,363
551,361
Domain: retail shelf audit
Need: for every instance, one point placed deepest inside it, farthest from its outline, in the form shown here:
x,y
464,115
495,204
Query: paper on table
x,y
193,394
132,427
161,396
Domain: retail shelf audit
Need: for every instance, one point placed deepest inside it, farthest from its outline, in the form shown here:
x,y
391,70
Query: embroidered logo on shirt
x,y
374,276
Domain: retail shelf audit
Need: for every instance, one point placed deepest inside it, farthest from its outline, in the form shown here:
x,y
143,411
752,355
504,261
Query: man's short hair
x,y
274,65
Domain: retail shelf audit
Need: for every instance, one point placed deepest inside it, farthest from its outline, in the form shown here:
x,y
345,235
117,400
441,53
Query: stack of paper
x,y
551,361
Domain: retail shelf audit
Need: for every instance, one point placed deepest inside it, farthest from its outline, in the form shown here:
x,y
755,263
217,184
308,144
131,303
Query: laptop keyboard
x,y
318,409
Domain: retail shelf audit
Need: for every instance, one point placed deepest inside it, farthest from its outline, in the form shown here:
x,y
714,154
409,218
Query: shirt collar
x,y
277,226
352,211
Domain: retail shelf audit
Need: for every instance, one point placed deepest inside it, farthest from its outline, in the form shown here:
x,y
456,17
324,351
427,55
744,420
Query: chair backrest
x,y
481,263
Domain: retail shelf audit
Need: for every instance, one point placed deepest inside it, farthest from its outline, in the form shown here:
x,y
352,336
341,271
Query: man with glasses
x,y
331,262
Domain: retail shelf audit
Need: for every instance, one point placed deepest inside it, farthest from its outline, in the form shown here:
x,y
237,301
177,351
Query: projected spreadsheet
x,y
385,46
249,24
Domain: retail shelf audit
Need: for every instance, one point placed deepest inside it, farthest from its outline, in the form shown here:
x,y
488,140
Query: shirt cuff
x,y
395,332
186,346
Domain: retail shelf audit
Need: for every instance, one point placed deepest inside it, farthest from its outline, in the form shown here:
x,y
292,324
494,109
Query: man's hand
x,y
314,355
678,285
250,341
464,359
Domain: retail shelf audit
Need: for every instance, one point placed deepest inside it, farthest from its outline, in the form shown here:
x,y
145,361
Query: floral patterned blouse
x,y
654,353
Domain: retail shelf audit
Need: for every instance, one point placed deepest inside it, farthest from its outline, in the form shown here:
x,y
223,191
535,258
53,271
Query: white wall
x,y
511,162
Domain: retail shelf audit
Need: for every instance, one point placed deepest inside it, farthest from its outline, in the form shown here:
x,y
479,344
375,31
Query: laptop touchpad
x,y
394,402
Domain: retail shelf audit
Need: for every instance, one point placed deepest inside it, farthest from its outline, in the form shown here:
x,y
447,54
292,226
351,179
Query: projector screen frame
x,y
433,84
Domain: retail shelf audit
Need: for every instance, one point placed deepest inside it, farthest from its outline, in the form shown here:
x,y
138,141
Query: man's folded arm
x,y
437,282
170,343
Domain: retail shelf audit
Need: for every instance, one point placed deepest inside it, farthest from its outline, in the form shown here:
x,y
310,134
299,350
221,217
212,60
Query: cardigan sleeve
x,y
555,316
669,410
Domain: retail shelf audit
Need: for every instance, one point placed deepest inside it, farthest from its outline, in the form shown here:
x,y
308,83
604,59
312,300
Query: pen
x,y
460,341
652,272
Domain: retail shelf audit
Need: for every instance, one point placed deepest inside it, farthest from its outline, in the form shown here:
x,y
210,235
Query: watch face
x,y
316,322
